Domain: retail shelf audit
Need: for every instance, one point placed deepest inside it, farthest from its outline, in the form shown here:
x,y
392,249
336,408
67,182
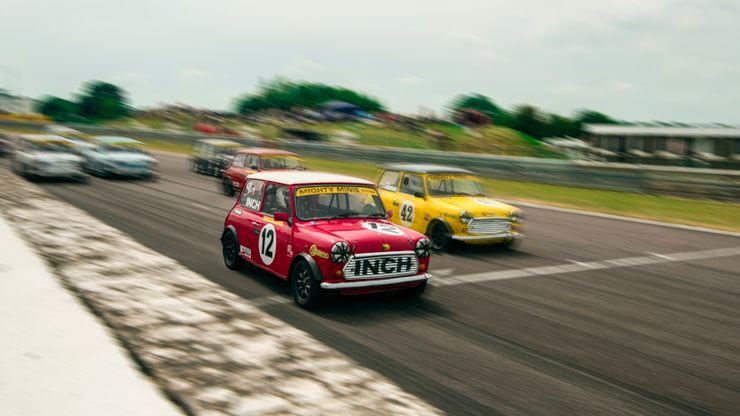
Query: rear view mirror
x,y
281,216
254,167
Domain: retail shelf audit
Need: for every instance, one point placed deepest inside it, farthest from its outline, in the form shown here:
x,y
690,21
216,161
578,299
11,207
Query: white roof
x,y
304,177
617,130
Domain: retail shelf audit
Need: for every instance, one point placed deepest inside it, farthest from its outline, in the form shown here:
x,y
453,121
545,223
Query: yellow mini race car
x,y
447,203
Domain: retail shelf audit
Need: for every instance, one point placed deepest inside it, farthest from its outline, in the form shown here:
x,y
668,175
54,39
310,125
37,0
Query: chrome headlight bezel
x,y
340,252
465,217
423,248
517,217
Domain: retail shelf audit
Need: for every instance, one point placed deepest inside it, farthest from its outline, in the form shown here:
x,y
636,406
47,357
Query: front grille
x,y
489,226
378,265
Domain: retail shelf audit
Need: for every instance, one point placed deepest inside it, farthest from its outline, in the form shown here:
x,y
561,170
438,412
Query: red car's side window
x,y
251,197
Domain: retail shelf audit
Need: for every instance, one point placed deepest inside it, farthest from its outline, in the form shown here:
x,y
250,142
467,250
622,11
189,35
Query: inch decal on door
x,y
407,213
267,244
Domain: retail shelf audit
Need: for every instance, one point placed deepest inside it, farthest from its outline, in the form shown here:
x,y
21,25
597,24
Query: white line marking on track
x,y
574,267
622,218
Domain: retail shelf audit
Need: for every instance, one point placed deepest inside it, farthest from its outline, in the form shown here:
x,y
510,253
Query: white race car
x,y
46,156
119,156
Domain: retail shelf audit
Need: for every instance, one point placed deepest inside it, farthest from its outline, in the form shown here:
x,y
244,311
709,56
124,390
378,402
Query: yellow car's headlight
x,y
516,216
465,217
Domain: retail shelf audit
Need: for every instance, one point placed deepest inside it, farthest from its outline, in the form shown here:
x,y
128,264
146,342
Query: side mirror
x,y
281,216
389,214
419,194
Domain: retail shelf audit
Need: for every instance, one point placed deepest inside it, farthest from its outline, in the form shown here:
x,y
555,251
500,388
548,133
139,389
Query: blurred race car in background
x,y
6,143
46,156
212,156
448,203
255,159
82,139
119,156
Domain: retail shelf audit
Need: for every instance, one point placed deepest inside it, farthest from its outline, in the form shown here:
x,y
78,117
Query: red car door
x,y
275,239
246,218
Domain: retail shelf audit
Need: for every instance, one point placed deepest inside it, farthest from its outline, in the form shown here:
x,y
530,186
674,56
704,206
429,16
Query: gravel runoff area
x,y
210,351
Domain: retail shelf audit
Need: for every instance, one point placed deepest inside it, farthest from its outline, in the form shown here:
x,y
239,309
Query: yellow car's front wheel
x,y
439,235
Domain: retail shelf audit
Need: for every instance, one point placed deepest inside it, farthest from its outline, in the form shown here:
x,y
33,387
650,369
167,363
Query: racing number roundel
x,y
267,244
407,213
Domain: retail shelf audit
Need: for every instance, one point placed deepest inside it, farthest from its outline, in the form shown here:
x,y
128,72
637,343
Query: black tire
x,y
196,166
414,292
230,251
439,236
305,288
227,188
512,244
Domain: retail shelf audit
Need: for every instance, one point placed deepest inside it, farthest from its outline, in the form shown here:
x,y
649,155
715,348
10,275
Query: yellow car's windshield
x,y
454,185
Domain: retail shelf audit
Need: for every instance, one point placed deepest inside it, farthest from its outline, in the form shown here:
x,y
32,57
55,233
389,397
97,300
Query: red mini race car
x,y
324,233
250,160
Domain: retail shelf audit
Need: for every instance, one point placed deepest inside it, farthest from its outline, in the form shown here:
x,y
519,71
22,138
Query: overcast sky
x,y
633,59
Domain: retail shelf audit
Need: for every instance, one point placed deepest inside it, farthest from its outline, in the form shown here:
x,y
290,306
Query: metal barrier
x,y
686,182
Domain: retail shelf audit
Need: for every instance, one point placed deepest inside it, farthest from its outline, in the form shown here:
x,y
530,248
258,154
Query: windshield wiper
x,y
376,215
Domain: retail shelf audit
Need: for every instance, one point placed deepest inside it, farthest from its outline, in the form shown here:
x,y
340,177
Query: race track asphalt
x,y
656,331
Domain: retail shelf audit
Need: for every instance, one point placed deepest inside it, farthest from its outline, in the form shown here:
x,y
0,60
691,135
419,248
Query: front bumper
x,y
124,171
57,172
488,237
376,282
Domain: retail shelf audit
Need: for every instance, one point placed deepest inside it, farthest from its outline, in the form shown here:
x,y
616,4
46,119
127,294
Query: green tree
x,y
58,109
593,117
559,126
103,101
485,105
529,120
282,94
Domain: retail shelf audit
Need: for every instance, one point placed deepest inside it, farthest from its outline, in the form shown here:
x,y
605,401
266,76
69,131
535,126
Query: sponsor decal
x,y
315,252
442,177
382,228
369,267
267,244
289,250
407,213
386,246
245,251
251,203
321,190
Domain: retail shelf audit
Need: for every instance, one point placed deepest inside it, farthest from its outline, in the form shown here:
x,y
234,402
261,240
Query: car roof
x,y
219,142
265,151
424,168
115,139
303,177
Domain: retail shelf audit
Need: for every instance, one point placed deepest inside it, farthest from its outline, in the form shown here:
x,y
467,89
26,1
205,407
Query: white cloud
x,y
192,74
411,81
621,86
469,38
567,89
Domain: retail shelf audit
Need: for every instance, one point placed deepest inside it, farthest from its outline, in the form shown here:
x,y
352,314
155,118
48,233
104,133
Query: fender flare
x,y
229,229
435,220
311,263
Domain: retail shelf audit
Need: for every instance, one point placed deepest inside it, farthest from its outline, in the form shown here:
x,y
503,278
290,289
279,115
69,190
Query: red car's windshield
x,y
336,201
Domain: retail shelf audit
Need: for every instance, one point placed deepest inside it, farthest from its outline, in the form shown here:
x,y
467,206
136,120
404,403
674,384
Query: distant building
x,y
689,146
15,104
